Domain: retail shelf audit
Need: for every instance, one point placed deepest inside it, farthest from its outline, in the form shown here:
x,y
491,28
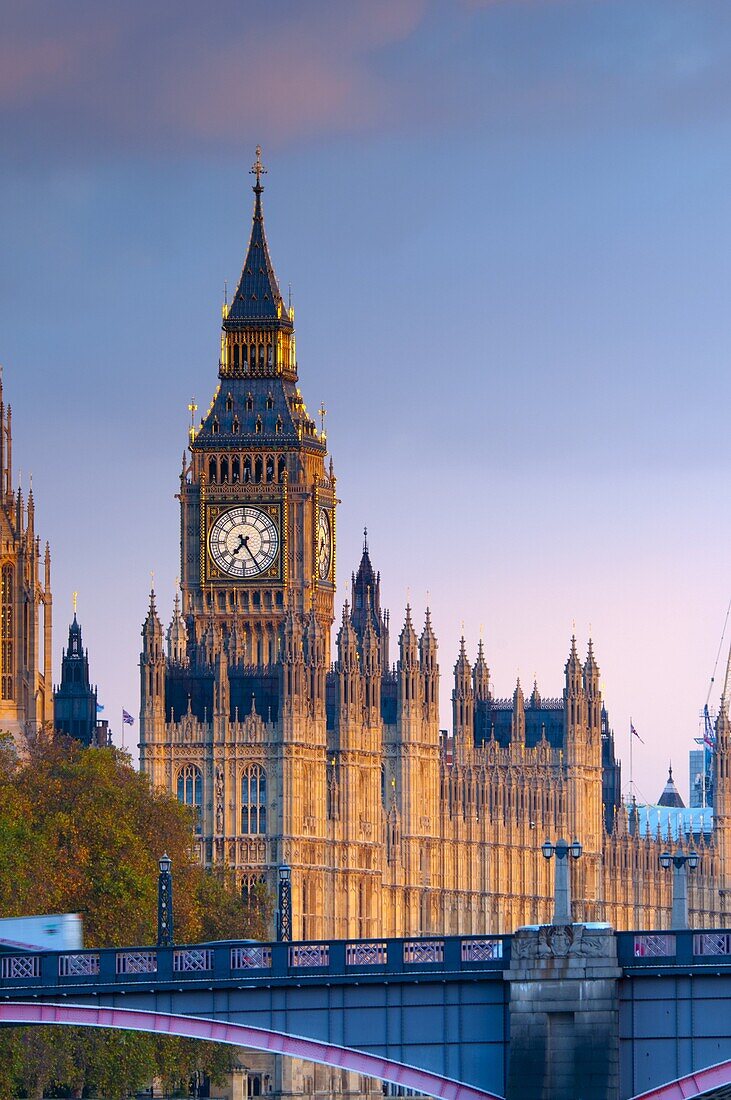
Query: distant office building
x,y
701,777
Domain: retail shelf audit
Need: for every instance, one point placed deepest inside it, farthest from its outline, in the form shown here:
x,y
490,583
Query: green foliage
x,y
81,831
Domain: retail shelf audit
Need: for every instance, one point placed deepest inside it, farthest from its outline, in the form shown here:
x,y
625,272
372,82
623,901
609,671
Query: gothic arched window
x,y
190,790
258,468
249,885
270,468
236,356
235,469
281,467
224,471
6,632
212,471
247,469
254,800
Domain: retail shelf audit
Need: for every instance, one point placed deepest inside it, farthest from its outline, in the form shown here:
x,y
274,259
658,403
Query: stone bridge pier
x,y
564,1013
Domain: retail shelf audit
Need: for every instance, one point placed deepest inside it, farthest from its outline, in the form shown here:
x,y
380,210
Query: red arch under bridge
x,y
275,1042
713,1083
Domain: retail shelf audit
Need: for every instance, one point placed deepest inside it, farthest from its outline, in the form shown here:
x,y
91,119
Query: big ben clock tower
x,y
233,699
257,504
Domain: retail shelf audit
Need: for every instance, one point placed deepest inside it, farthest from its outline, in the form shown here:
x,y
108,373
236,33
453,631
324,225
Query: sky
x,y
506,228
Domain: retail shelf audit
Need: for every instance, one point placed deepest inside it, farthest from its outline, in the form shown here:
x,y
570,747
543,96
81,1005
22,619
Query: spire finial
x,y
365,540
76,596
258,170
323,413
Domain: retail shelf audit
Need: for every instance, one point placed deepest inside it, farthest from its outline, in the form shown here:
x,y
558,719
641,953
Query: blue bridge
x,y
571,1011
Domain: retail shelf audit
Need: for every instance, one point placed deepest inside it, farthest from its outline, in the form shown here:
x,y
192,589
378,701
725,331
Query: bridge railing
x,y
682,947
233,959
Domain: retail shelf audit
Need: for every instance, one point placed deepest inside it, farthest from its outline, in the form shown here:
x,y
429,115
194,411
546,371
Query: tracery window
x,y
7,628
249,885
190,790
254,800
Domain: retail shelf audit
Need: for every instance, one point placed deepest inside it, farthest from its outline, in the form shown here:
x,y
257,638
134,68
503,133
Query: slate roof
x,y
670,795
257,296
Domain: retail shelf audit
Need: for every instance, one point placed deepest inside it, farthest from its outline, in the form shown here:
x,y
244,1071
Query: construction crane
x,y
708,740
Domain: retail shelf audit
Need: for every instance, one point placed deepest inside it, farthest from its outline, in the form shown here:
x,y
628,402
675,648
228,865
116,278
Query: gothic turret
x,y
593,693
429,667
347,670
518,723
366,603
177,635
75,700
481,675
26,690
152,677
463,706
315,660
371,665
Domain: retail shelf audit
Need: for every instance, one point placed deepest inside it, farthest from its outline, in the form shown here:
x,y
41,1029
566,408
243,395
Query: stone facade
x,y
26,604
339,769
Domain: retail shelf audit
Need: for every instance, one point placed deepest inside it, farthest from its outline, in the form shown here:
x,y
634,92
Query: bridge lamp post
x,y
165,902
562,887
284,912
681,863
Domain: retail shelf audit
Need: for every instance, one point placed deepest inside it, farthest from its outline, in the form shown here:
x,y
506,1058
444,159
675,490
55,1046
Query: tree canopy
x,y
81,831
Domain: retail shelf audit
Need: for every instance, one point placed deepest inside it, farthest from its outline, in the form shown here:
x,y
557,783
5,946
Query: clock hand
x,y
242,542
248,550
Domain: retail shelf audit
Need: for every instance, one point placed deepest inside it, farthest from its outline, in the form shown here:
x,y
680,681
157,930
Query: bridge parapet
x,y
679,948
230,960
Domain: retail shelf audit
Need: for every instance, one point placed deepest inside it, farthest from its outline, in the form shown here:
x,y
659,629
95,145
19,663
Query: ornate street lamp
x,y
562,889
165,902
284,913
679,861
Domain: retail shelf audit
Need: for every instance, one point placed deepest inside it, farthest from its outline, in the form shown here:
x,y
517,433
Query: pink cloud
x,y
136,76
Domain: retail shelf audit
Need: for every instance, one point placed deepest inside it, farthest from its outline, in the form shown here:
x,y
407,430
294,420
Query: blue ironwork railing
x,y
675,948
231,960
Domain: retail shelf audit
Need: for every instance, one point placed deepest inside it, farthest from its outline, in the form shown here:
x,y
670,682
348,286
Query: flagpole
x,y
123,728
631,782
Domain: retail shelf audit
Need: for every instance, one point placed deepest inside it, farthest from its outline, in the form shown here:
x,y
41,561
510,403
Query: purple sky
x,y
506,226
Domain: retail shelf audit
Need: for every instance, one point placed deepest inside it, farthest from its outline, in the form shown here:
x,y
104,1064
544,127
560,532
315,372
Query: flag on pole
x,y
99,708
636,734
127,718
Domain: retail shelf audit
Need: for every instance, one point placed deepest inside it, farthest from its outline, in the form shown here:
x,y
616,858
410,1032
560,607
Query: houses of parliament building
x,y
334,764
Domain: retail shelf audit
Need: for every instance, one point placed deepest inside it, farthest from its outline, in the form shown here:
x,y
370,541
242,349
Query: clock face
x,y
324,545
244,542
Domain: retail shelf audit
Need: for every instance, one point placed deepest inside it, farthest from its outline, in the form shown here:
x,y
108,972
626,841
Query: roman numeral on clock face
x,y
244,542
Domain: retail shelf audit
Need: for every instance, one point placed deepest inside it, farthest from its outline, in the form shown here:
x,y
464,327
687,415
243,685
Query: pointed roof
x,y
670,795
257,296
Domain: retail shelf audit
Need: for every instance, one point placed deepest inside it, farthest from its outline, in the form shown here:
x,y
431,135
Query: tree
x,y
81,831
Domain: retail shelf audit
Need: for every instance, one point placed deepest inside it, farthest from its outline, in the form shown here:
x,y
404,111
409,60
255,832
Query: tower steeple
x,y
75,700
258,328
366,603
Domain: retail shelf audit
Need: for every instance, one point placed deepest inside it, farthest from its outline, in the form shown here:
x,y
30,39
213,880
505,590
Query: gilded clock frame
x,y
212,574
